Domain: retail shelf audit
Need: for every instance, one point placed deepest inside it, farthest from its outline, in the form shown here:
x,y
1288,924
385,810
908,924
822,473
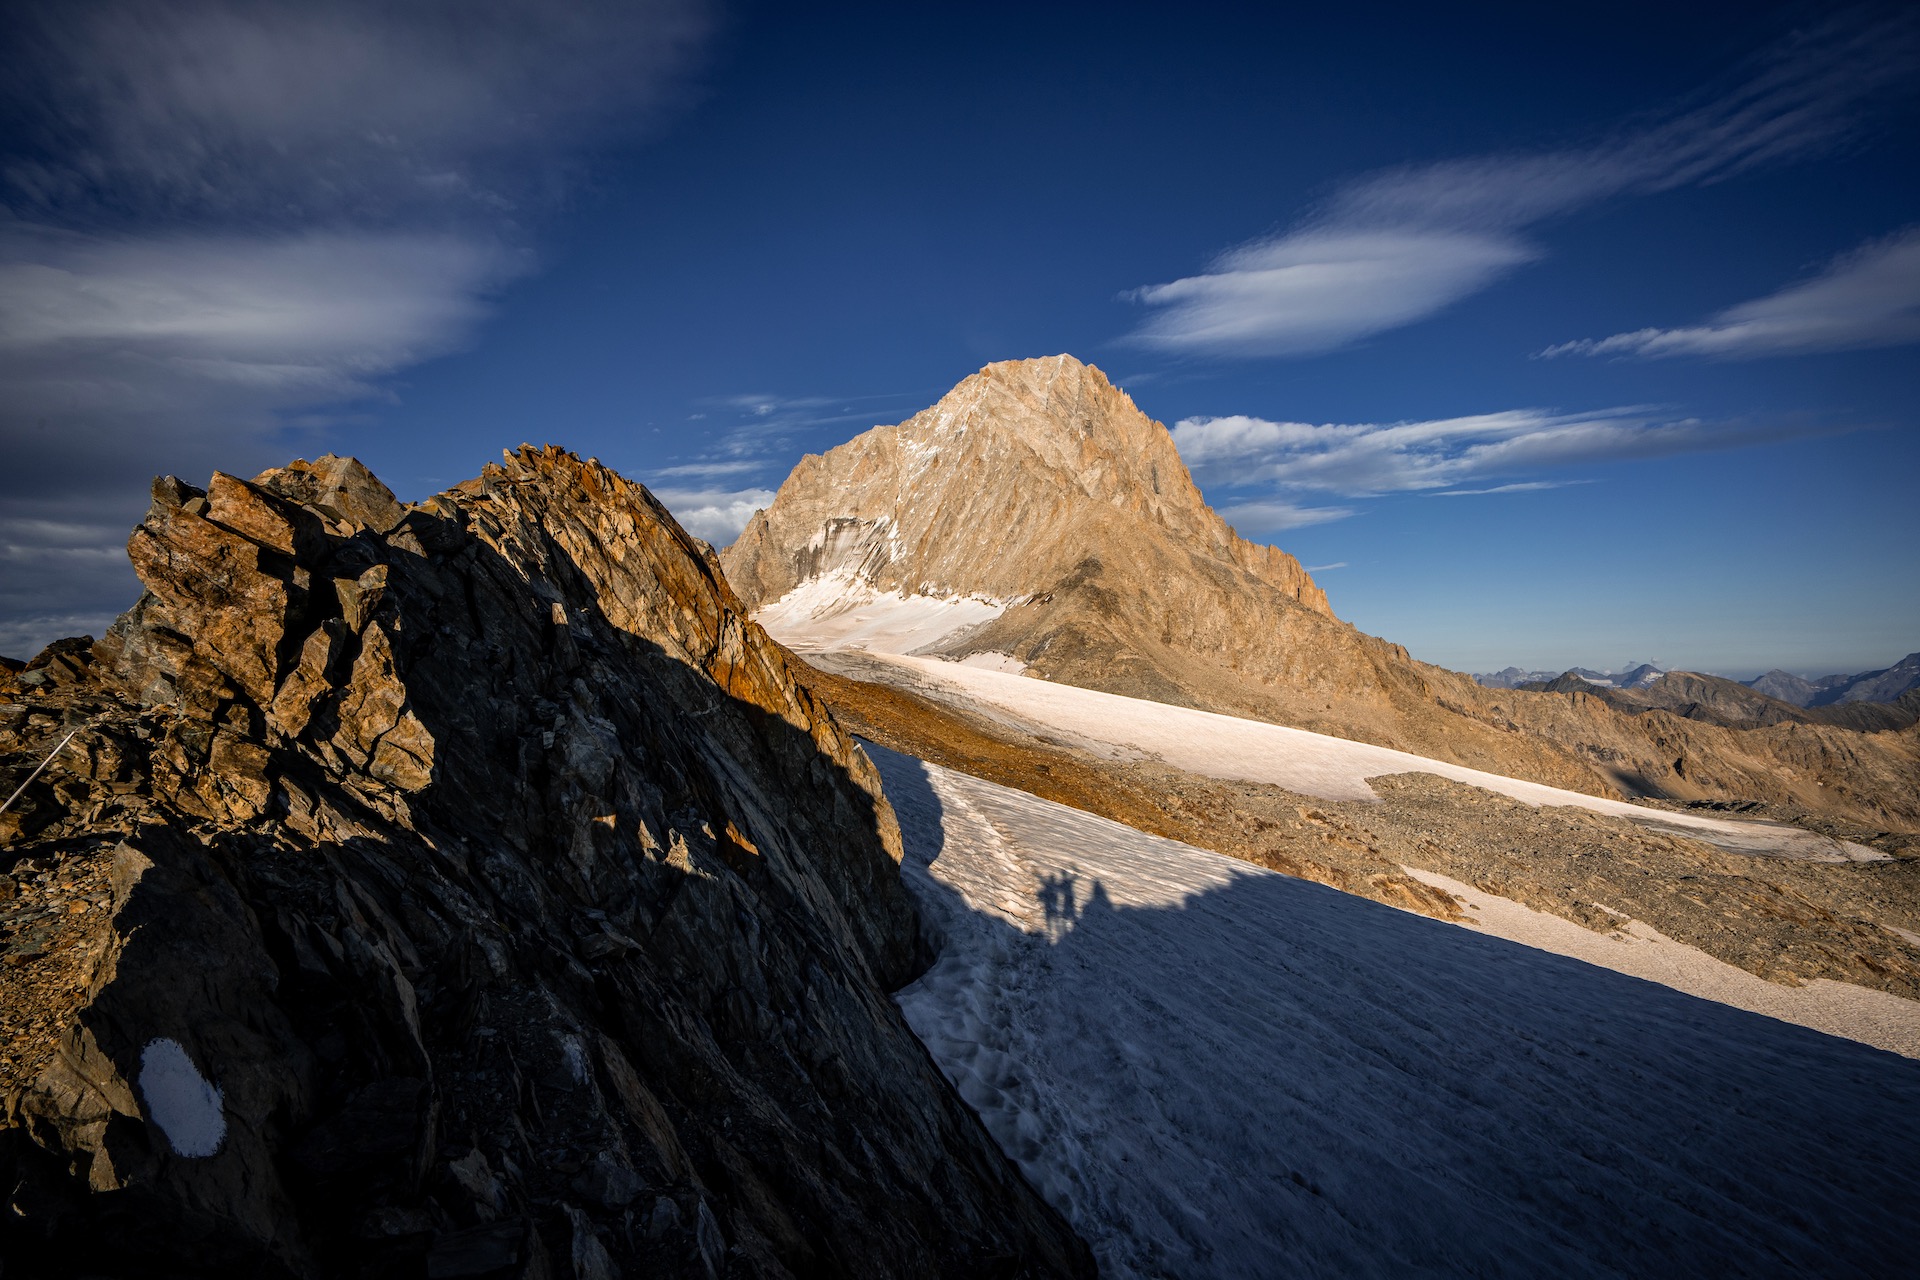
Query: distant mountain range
x,y
1635,676
1884,685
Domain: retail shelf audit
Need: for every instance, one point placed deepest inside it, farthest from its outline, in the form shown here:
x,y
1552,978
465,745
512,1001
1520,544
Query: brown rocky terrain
x,y
1783,920
1039,484
463,889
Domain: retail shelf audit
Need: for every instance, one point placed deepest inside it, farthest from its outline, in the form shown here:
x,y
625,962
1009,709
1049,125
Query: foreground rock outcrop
x,y
464,889
1039,485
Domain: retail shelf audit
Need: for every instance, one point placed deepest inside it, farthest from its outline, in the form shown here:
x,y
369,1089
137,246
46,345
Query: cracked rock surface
x,y
461,889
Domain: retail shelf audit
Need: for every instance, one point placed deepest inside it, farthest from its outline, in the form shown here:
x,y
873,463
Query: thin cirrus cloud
x,y
221,220
1395,247
1446,457
194,320
1867,298
354,110
711,470
1525,486
1275,516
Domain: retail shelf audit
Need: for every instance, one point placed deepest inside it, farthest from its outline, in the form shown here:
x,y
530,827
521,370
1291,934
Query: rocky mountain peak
x,y
1080,429
1016,477
1035,520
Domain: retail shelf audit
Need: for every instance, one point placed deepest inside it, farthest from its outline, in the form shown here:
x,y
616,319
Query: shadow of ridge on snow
x,y
1212,1067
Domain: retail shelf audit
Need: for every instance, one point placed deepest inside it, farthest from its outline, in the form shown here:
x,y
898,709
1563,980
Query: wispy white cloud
x,y
1524,486
754,437
352,111
1371,459
1867,298
1394,247
718,515
760,415
711,470
1273,516
766,406
44,552
1323,568
222,220
224,322
1323,288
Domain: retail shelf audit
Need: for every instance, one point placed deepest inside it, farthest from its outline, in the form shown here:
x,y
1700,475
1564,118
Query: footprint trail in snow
x,y
1215,1070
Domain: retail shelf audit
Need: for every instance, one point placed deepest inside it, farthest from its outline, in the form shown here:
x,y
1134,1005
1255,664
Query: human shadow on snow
x,y
1273,1074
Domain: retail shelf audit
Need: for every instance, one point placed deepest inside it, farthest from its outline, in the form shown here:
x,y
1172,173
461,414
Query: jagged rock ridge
x,y
464,889
1037,484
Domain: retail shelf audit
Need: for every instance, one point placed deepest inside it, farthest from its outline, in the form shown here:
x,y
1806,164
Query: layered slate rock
x,y
462,889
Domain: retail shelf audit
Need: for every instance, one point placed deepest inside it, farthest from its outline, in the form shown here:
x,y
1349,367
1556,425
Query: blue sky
x,y
1554,338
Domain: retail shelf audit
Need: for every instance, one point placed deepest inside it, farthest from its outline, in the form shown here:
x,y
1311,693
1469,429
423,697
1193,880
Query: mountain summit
x,y
999,490
1057,517
1036,519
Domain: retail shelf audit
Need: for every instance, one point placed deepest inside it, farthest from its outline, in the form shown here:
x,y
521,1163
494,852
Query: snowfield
x,y
840,611
1312,764
836,612
1216,1070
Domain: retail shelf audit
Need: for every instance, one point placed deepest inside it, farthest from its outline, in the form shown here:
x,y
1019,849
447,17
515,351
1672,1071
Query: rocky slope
x,y
1040,486
466,889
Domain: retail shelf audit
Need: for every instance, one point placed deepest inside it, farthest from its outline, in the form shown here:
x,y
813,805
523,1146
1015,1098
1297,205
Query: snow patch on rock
x,y
186,1106
838,610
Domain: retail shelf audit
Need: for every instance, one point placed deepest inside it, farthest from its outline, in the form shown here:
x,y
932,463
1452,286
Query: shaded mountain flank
x,y
464,889
1039,489
1741,706
1889,684
1635,675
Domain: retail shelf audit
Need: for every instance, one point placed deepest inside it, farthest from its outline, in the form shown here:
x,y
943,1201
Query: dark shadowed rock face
x,y
462,890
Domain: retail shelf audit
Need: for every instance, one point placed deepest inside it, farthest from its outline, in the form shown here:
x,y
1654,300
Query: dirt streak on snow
x,y
1217,1070
1313,764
